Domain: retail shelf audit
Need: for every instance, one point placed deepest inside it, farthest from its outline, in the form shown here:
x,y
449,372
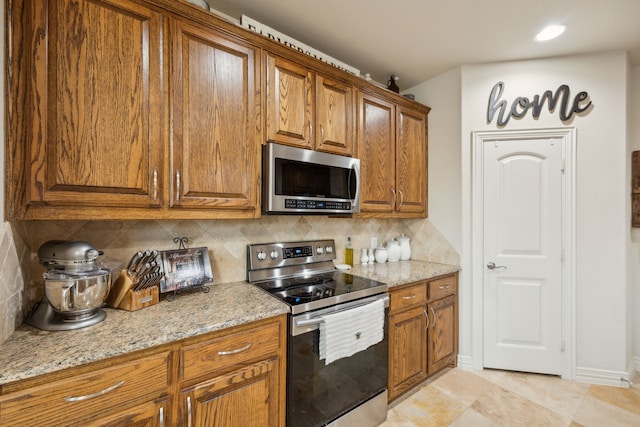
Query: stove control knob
x,y
319,250
274,254
262,255
329,249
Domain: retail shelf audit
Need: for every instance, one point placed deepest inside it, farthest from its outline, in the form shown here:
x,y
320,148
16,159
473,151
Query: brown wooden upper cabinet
x,y
131,113
121,109
308,110
215,141
90,127
392,148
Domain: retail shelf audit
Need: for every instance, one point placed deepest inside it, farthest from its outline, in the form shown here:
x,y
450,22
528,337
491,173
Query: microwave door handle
x,y
354,175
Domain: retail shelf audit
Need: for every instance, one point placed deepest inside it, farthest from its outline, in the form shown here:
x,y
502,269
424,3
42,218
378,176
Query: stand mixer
x,y
75,287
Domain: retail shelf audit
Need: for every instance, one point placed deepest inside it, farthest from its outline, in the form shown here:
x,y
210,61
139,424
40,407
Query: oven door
x,y
318,394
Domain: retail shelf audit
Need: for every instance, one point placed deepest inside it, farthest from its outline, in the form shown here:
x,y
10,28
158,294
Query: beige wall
x,y
227,242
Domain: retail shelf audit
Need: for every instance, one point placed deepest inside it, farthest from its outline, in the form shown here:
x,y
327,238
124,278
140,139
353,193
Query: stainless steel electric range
x,y
351,390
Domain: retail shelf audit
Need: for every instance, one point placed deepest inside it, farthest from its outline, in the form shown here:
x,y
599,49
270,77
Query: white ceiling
x,y
419,39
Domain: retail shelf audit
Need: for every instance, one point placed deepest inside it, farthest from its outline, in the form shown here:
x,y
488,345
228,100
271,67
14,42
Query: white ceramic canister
x,y
393,251
381,254
405,247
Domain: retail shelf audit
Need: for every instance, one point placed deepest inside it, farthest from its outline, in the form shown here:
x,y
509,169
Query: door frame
x,y
568,203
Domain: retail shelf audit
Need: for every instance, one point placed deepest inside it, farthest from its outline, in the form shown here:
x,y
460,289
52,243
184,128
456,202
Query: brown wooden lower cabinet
x,y
423,331
234,377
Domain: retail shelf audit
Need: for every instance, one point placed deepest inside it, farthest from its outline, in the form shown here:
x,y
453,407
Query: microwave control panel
x,y
316,204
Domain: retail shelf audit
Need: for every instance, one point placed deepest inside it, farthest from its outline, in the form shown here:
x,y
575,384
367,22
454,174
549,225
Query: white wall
x,y
605,323
443,95
634,253
445,203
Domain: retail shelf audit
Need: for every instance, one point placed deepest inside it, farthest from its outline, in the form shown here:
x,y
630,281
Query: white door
x,y
522,253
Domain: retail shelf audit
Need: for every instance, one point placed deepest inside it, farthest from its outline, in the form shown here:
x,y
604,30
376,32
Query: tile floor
x,y
500,398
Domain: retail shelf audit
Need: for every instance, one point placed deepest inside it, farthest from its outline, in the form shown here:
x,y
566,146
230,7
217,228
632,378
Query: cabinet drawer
x,y
440,288
209,357
407,297
70,401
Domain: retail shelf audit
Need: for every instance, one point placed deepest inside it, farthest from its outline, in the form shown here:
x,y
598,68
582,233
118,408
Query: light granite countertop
x,y
30,352
403,272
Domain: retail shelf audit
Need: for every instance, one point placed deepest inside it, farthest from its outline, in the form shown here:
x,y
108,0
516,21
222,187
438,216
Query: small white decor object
x,y
381,255
371,256
405,247
364,259
393,249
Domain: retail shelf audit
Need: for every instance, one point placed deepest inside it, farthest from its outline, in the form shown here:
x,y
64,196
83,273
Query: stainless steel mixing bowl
x,y
76,295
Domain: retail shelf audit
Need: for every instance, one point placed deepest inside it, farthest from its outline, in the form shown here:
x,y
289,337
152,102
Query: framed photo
x,y
185,268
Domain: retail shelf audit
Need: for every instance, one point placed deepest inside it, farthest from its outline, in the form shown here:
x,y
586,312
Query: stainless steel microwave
x,y
299,181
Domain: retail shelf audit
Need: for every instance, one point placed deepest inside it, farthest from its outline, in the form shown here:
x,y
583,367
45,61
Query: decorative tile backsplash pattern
x,y
227,241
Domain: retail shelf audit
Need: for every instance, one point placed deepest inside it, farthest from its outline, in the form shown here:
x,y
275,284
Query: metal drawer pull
x,y
96,394
445,287
410,297
161,416
236,351
427,316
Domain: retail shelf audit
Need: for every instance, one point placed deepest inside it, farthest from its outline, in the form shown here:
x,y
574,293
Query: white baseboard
x,y
603,377
465,362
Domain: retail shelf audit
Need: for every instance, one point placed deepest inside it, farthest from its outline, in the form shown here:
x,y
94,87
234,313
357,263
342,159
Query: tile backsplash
x,y
226,239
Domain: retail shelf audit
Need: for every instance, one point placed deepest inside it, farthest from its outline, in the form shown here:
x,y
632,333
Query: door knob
x,y
492,265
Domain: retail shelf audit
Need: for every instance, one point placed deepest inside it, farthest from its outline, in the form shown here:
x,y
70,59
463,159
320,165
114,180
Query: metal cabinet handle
x,y
434,317
394,197
155,183
236,351
401,199
161,416
321,133
177,185
492,266
310,131
188,411
96,394
427,316
410,297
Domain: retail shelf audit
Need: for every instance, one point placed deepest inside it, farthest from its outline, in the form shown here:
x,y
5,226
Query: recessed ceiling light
x,y
550,32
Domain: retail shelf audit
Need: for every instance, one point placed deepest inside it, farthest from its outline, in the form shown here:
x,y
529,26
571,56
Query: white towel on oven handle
x,y
345,333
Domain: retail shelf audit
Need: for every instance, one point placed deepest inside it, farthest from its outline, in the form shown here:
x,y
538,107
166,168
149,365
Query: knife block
x,y
123,296
135,300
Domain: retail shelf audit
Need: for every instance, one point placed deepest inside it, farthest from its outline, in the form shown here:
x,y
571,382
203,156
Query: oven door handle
x,y
318,319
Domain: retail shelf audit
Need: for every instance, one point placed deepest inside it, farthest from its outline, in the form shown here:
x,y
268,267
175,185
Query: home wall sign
x,y
269,32
521,105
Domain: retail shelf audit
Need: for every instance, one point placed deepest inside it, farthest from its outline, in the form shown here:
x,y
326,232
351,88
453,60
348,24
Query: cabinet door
x,y
290,108
216,135
97,105
334,118
245,397
411,162
376,151
442,336
149,414
407,350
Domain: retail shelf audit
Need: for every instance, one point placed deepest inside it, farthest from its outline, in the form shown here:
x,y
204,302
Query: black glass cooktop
x,y
306,293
